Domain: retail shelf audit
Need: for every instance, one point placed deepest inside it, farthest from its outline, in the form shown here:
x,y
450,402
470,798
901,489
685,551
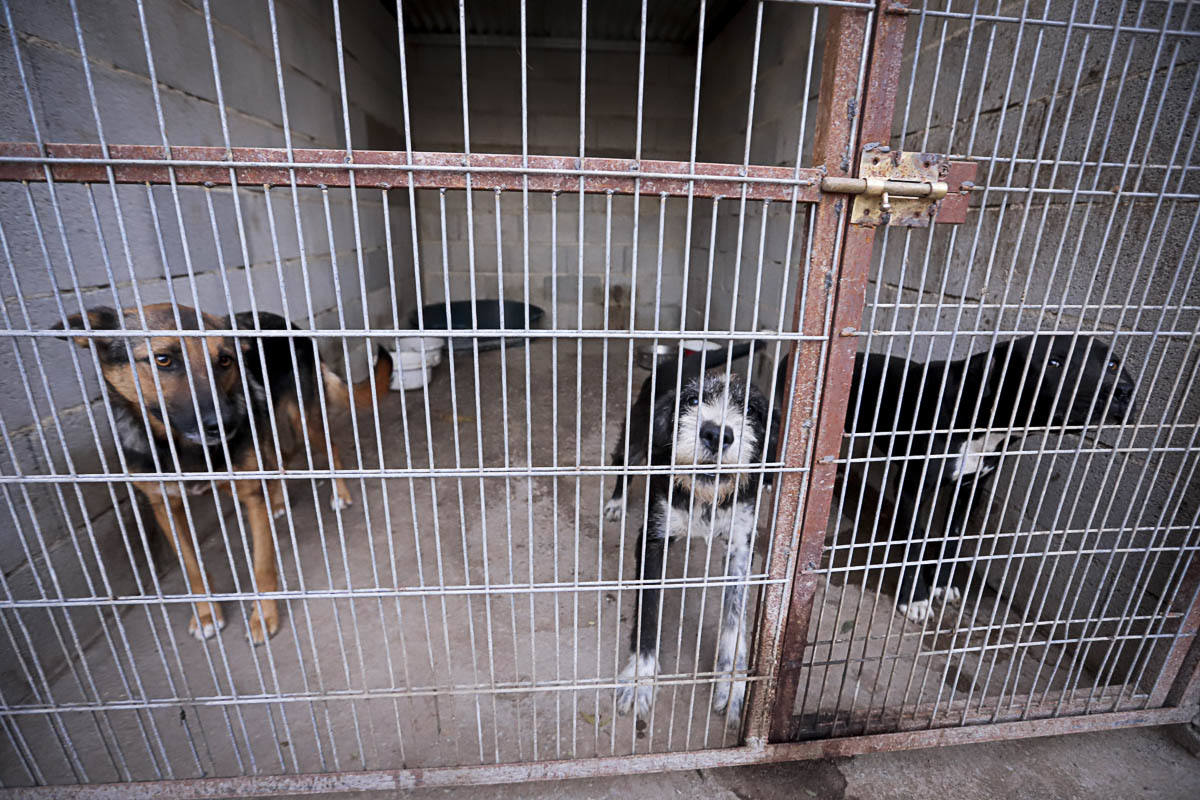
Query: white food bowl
x,y
414,360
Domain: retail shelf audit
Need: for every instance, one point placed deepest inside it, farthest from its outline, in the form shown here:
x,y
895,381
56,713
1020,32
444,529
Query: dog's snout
x,y
212,427
716,437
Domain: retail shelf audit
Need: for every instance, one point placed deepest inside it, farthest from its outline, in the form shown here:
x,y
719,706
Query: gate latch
x,y
908,189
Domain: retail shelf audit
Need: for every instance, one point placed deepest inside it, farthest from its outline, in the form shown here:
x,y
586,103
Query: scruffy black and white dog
x,y
717,422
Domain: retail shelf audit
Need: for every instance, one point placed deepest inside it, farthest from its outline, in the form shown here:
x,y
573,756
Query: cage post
x,y
858,73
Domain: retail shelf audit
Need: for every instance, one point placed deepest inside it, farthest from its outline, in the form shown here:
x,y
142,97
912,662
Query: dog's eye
x,y
225,361
163,361
1113,366
1054,362
693,399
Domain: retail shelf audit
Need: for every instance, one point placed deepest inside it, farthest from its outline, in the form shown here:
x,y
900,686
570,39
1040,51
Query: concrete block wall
x,y
100,246
617,270
750,267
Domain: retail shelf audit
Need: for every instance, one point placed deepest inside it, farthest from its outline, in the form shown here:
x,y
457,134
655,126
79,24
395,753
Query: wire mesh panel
x,y
232,550
1014,532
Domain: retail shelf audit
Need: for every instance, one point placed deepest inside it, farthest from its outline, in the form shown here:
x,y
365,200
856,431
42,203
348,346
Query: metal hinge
x,y
895,187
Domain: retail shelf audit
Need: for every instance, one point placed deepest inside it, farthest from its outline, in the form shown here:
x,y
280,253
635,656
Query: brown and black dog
x,y
150,383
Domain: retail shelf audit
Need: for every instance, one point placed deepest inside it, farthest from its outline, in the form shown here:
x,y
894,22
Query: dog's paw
x,y
613,509
728,699
278,511
635,698
340,502
207,625
917,611
950,595
264,625
640,696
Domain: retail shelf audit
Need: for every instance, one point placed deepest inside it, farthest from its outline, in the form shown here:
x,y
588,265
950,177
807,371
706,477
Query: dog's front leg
x,y
168,512
264,621
642,666
616,503
731,649
963,499
912,598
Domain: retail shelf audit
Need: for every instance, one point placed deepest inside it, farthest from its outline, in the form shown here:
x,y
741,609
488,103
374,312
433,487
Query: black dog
x,y
661,383
1042,381
721,424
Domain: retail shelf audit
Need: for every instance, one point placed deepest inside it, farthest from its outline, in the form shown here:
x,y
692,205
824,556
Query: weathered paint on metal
x,y
844,253
1179,680
407,779
264,166
837,114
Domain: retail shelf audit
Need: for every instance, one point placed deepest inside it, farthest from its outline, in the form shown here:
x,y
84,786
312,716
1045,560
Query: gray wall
x,y
50,418
621,274
780,106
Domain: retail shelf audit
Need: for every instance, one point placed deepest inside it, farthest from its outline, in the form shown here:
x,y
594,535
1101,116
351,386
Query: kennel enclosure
x,y
827,177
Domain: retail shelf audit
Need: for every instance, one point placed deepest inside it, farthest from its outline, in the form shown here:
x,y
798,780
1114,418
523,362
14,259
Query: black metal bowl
x,y
487,321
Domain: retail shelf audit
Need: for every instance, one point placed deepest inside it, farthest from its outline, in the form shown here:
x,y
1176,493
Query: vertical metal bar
x,y
362,288
579,241
527,345
841,258
417,284
483,528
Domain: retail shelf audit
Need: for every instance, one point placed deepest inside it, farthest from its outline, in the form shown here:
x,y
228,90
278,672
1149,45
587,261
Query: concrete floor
x,y
439,679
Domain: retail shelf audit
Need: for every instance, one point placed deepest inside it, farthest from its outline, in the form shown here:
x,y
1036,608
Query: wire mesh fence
x,y
245,541
463,600
1077,562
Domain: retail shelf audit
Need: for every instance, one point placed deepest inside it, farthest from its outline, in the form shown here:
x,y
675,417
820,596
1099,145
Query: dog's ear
x,y
226,324
756,406
662,421
100,318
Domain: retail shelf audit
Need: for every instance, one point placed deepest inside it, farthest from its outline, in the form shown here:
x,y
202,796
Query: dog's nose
x,y
212,429
716,437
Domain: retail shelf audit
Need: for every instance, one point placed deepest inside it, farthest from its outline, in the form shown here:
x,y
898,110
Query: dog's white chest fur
x,y
971,456
732,521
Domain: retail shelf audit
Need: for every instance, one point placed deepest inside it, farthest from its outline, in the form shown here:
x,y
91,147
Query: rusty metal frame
x,y
408,779
844,258
386,169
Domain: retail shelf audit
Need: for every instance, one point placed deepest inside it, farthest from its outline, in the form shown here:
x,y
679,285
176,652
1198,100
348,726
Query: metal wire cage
x,y
647,173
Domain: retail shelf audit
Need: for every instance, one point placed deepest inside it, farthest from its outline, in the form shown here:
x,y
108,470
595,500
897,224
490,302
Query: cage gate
x,y
455,604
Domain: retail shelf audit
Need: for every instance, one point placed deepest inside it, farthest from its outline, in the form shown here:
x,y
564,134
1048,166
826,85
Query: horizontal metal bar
x,y
581,471
370,593
980,649
1044,23
384,169
456,333
380,693
1013,557
912,332
935,457
948,628
754,752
